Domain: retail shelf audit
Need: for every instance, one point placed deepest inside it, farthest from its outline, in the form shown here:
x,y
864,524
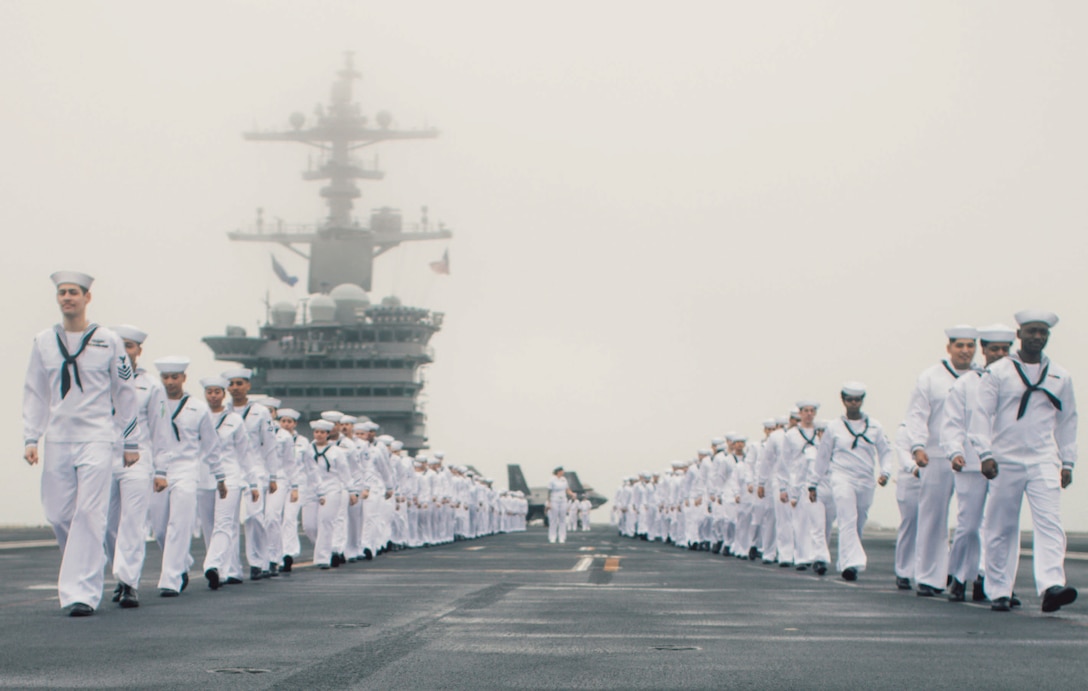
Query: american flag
x,y
442,266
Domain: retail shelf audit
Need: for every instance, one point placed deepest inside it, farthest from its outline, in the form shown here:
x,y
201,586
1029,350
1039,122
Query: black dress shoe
x,y
254,573
801,567
1001,604
926,590
231,580
978,590
784,564
117,592
820,568
213,578
850,574
957,592
342,558
79,609
902,583
753,553
1057,596
184,582
273,571
288,562
1014,601
167,592
128,598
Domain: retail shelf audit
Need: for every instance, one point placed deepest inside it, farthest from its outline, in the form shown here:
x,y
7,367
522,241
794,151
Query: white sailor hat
x,y
358,426
209,382
372,426
795,413
717,441
436,460
997,333
238,373
1027,316
332,415
324,425
771,422
853,388
397,445
807,403
172,364
782,420
703,452
347,420
419,460
82,280
961,331
738,437
439,454
386,439
130,333
289,413
678,464
270,402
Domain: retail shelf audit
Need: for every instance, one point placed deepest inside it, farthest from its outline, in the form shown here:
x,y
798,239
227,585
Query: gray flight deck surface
x,y
513,611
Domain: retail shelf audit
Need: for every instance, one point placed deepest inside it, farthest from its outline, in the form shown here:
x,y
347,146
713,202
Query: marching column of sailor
x,y
991,436
126,453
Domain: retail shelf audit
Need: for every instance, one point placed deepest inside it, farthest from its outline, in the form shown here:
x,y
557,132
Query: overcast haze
x,y
669,221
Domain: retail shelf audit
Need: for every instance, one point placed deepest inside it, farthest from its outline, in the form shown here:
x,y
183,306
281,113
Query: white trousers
x,y
256,534
273,524
329,517
931,548
810,537
907,491
768,536
370,515
1041,484
126,530
291,545
783,530
852,501
75,497
173,516
357,519
218,520
557,524
965,556
742,535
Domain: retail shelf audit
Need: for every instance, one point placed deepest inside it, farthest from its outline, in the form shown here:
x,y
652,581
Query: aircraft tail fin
x,y
515,480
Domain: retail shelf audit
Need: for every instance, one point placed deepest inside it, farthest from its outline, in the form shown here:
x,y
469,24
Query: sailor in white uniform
x,y
292,548
925,415
193,442
1024,427
130,491
558,493
284,449
217,514
263,447
848,451
78,395
907,488
972,488
334,482
808,517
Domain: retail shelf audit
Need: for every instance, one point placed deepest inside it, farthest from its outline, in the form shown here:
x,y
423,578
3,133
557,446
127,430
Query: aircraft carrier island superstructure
x,y
336,348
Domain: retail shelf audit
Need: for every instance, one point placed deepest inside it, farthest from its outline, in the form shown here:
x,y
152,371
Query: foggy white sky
x,y
670,221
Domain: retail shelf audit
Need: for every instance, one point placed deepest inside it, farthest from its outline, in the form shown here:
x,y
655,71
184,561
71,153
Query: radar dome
x,y
391,301
350,300
283,314
322,309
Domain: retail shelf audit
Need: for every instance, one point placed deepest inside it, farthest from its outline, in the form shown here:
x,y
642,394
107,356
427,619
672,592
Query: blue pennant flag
x,y
282,273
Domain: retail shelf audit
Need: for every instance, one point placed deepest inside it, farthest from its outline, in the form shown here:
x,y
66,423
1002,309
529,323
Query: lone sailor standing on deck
x,y
1024,426
558,493
78,395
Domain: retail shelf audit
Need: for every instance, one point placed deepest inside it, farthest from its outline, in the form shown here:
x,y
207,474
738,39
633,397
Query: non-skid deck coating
x,y
513,611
